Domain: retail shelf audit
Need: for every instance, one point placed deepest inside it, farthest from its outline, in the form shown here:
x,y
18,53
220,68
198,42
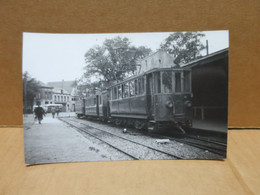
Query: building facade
x,y
61,96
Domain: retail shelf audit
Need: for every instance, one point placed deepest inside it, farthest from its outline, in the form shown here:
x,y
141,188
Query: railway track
x,y
201,143
205,144
122,146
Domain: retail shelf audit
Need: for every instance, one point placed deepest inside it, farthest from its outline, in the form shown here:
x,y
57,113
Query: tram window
x,y
157,78
177,82
141,88
136,89
119,92
167,82
131,88
114,93
186,77
125,90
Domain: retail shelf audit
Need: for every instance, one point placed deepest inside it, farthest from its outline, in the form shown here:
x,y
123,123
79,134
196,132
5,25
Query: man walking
x,y
39,112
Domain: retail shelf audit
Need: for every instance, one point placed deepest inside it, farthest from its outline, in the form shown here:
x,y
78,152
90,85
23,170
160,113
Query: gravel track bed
x,y
115,154
205,143
173,147
136,150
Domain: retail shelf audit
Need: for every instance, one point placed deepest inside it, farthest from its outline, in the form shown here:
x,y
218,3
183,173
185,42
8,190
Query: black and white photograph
x,y
125,96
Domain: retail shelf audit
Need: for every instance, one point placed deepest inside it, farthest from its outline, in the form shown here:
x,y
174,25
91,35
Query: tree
x,y
114,59
31,88
184,46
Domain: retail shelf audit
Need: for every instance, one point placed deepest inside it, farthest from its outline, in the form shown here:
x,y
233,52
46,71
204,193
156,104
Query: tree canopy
x,y
115,59
31,88
184,46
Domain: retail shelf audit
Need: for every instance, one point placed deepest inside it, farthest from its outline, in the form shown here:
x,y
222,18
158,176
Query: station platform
x,y
213,125
53,141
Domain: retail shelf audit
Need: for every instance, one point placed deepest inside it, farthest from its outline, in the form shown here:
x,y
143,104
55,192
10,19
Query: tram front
x,y
173,97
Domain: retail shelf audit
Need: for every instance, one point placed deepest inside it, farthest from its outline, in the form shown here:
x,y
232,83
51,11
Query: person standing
x,y
58,111
53,112
39,112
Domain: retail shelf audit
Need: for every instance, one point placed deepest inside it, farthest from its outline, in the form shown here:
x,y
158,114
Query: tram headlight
x,y
169,104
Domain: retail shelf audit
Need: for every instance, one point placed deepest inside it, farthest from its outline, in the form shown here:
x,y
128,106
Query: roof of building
x,y
60,90
206,59
43,85
66,85
74,92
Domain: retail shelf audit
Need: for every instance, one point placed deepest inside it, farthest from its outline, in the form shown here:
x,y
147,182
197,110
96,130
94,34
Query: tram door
x,y
150,94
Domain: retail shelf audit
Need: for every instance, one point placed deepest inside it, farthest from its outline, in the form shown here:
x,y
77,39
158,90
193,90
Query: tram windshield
x,y
172,81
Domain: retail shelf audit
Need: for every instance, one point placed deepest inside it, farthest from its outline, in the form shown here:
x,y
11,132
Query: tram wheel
x,y
153,127
139,124
118,122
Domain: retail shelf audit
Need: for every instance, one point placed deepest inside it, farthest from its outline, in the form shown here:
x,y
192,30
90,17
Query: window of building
x,y
61,98
55,98
58,98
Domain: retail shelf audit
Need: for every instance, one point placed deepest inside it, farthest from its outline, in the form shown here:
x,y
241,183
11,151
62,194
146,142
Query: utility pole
x,y
207,47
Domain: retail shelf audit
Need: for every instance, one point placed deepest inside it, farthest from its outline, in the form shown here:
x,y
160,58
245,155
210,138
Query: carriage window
x,y
125,90
95,101
167,82
143,84
157,79
141,88
114,93
186,81
177,82
131,88
136,89
119,92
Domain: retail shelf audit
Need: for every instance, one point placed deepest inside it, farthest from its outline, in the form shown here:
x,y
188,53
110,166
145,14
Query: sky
x,y
55,57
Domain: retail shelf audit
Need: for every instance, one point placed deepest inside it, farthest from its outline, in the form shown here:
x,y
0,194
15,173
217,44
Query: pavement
x,y
53,141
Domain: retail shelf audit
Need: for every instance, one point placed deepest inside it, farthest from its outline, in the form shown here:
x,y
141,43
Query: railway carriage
x,y
160,95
